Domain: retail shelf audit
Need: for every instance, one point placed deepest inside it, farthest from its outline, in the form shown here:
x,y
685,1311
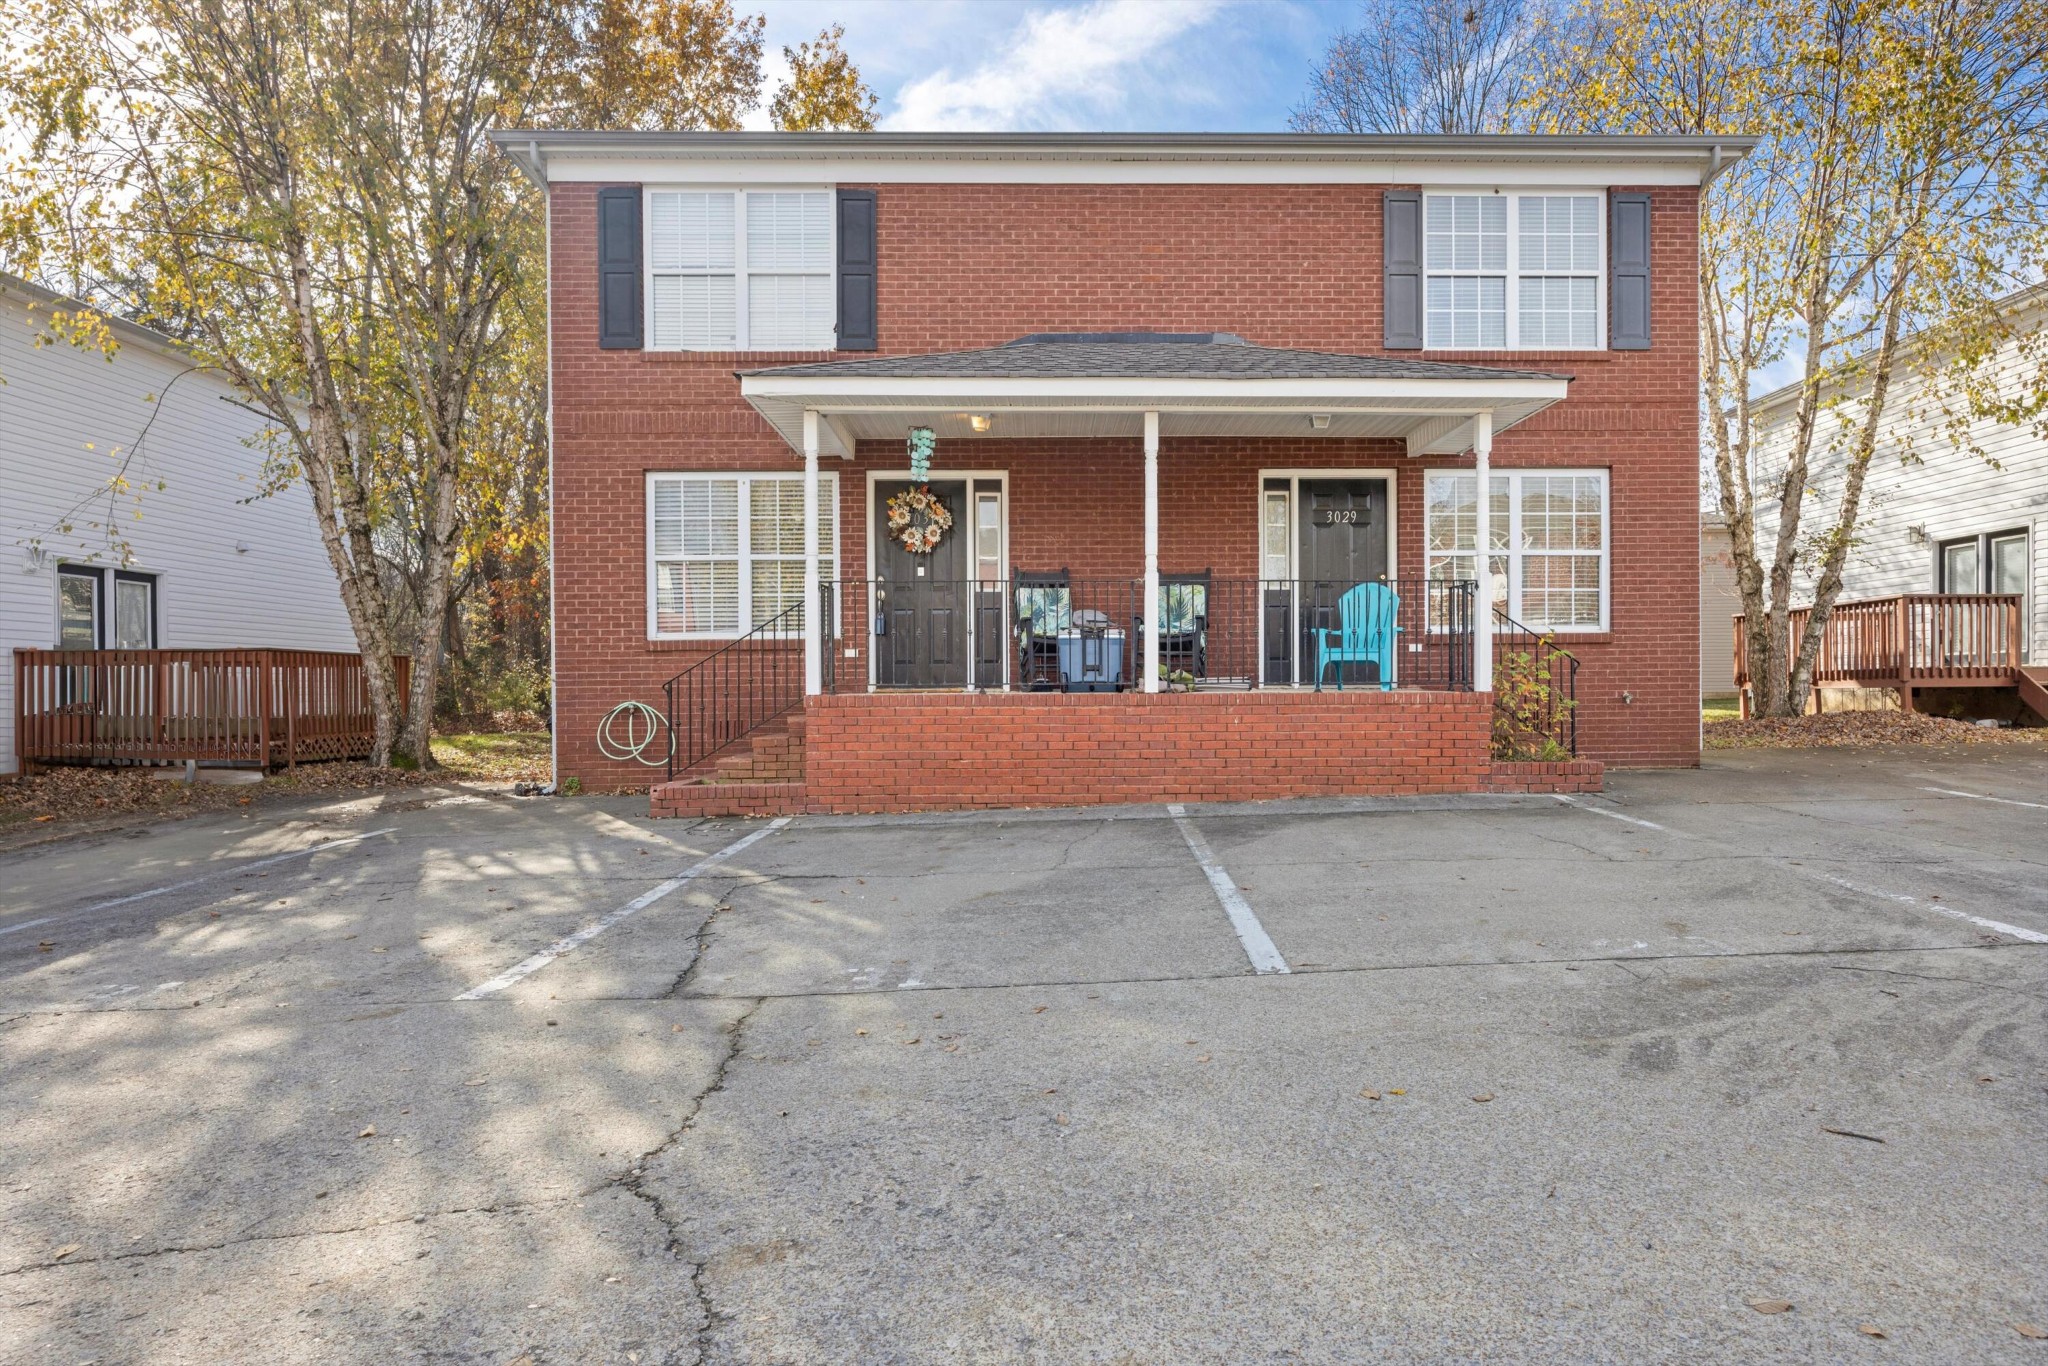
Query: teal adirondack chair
x,y
1367,634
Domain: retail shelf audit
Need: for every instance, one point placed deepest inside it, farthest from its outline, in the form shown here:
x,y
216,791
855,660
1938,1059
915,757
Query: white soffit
x,y
1433,416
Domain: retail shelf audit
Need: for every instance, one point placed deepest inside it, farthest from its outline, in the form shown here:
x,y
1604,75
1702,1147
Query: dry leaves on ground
x,y
1862,728
59,797
1770,1306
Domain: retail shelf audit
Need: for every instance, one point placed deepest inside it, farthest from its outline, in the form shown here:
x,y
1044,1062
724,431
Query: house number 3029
x,y
1336,516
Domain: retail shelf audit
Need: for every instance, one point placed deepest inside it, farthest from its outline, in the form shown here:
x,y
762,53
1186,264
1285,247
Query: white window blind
x,y
1538,285
740,270
726,551
1548,542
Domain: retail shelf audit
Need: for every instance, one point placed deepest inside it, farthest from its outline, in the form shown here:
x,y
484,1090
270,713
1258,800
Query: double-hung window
x,y
1548,542
1513,270
740,270
726,551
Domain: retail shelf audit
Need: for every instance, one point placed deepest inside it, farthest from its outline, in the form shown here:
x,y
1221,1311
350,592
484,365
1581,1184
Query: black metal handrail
x,y
736,689
1046,629
1535,693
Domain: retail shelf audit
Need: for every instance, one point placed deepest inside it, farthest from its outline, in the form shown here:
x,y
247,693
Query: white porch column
x,y
1482,627
1150,655
814,619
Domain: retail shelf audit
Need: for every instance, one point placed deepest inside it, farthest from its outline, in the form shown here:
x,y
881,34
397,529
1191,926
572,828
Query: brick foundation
x,y
1575,775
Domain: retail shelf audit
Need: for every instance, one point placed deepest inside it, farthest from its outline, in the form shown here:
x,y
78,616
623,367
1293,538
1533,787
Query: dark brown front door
x,y
1342,531
923,599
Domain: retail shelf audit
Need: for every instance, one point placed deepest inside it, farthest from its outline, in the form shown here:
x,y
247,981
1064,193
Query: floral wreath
x,y
918,519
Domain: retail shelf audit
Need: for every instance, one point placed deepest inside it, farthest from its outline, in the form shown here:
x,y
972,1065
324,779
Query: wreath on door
x,y
918,520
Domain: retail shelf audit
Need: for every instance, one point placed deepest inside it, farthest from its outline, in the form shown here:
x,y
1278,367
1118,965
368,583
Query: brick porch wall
x,y
940,751
967,266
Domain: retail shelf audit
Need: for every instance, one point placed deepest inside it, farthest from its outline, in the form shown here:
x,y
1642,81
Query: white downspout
x,y
1150,655
1482,626
814,619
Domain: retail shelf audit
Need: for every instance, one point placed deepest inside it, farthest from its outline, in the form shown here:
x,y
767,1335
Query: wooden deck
x,y
1914,641
266,708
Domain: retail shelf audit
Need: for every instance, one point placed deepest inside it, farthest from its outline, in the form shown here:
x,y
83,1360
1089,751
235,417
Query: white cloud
x,y
775,73
1059,68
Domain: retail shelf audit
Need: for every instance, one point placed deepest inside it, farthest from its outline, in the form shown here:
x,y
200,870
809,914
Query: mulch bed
x,y
1862,729
62,798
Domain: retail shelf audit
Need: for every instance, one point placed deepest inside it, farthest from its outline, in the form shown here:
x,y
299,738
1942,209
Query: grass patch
x,y
1720,709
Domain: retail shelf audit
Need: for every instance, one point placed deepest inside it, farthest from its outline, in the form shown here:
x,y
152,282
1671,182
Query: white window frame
x,y
1514,551
828,548
740,268
1514,271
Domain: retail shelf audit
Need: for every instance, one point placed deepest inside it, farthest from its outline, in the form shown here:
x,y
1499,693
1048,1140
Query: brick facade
x,y
976,265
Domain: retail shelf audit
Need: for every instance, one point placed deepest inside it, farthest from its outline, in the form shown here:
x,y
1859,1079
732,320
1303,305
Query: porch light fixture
x,y
978,421
1319,421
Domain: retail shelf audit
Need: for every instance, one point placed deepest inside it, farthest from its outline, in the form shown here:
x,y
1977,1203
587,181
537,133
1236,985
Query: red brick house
x,y
1203,420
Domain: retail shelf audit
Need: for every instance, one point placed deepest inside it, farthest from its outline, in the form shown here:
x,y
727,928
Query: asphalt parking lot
x,y
467,1078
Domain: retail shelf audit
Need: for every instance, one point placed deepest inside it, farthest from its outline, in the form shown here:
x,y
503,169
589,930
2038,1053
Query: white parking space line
x,y
1995,926
1603,811
1900,898
528,966
28,924
1258,945
236,871
1981,797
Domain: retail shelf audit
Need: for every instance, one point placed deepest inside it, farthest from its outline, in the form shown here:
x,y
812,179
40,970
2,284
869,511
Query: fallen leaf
x,y
2028,1330
1059,1119
908,1042
1871,1330
1770,1306
1370,1094
1483,1097
1203,1058
861,1032
476,1081
369,1131
675,1029
47,945
1397,1092
65,1251
43,819
1038,1010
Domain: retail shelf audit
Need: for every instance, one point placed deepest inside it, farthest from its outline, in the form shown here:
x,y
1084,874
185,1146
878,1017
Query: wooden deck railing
x,y
259,707
1916,640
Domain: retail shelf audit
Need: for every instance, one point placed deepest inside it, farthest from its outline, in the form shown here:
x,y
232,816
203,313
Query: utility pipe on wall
x,y
1482,626
814,619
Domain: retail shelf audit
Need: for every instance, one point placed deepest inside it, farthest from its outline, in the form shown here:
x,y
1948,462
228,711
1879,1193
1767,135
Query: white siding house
x,y
1950,521
210,564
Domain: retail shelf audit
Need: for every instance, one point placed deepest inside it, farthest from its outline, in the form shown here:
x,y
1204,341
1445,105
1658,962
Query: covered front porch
x,y
1146,545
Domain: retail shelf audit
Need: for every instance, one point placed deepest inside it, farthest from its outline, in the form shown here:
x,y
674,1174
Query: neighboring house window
x,y
726,551
1520,270
1548,542
740,270
1985,564
105,609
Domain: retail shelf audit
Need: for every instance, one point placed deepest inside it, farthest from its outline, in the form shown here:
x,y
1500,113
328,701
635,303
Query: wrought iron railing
x,y
1535,694
735,690
1043,631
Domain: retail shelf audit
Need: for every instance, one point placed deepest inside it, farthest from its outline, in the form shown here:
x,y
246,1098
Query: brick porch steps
x,y
761,775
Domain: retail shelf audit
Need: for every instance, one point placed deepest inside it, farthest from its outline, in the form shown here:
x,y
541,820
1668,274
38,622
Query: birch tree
x,y
302,190
1898,189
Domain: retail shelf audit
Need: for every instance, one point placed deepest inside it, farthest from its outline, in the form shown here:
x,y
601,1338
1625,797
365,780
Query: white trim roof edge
x,y
147,337
2019,302
531,148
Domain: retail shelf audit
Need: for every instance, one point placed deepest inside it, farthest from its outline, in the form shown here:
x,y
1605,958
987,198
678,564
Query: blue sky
x,y
1061,65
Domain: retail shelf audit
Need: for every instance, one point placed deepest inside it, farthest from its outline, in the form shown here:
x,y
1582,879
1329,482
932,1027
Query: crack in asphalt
x,y
173,1249
633,1179
1164,979
700,945
1934,977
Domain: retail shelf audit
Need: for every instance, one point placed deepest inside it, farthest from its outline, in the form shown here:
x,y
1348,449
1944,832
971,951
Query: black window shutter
x,y
1628,272
618,268
856,212
1401,225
